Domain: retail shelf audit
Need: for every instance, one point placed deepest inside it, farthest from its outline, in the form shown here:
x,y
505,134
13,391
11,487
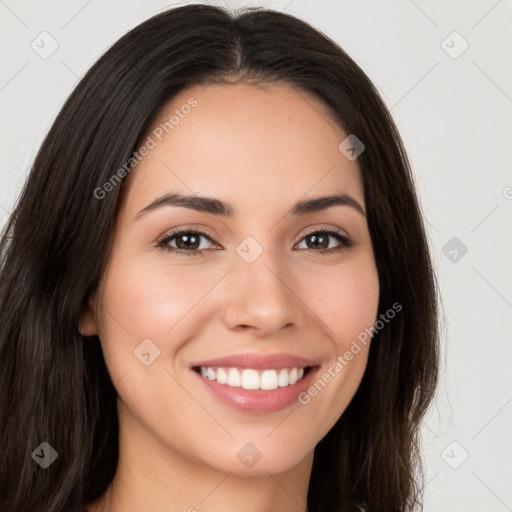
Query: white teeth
x,y
283,378
234,378
222,376
269,379
253,379
250,379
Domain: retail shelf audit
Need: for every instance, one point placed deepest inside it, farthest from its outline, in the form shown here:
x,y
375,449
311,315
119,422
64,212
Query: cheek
x,y
141,302
345,299
150,300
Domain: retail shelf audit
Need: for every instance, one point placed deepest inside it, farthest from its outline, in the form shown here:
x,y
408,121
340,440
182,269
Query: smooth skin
x,y
261,149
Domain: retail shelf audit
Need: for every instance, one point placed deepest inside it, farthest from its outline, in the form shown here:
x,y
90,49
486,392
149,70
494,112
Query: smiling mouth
x,y
253,379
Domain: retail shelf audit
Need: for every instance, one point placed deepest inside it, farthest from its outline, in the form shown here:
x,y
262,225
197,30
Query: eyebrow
x,y
218,207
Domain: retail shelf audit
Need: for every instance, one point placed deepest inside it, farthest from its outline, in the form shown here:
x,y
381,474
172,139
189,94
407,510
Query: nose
x,y
261,297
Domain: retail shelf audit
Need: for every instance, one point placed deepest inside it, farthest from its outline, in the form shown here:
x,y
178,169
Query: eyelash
x,y
163,242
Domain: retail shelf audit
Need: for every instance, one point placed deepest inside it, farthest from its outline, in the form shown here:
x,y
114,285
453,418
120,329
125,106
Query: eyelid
x,y
200,230
317,228
345,241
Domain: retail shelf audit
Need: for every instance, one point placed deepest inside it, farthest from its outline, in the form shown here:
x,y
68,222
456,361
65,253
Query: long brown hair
x,y
55,388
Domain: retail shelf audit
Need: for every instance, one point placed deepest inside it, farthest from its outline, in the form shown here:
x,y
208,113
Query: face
x,y
204,304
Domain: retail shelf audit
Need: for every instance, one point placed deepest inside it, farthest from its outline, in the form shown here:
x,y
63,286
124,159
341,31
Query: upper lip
x,y
257,361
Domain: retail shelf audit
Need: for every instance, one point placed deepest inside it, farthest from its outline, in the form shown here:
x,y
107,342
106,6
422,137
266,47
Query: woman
x,y
216,290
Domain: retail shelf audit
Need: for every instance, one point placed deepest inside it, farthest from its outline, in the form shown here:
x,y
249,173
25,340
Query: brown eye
x,y
321,241
318,241
189,243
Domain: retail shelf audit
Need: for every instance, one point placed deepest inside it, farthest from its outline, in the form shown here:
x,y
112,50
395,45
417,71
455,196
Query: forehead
x,y
242,141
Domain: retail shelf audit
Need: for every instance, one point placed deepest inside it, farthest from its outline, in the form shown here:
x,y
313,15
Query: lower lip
x,y
258,400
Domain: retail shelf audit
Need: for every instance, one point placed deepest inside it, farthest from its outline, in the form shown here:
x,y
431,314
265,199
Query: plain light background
x,y
453,107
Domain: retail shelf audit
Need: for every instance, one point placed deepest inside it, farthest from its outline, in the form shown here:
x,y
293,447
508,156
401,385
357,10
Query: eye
x,y
189,242
320,239
185,242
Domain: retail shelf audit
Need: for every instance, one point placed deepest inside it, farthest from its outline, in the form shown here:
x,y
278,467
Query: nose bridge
x,y
261,292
